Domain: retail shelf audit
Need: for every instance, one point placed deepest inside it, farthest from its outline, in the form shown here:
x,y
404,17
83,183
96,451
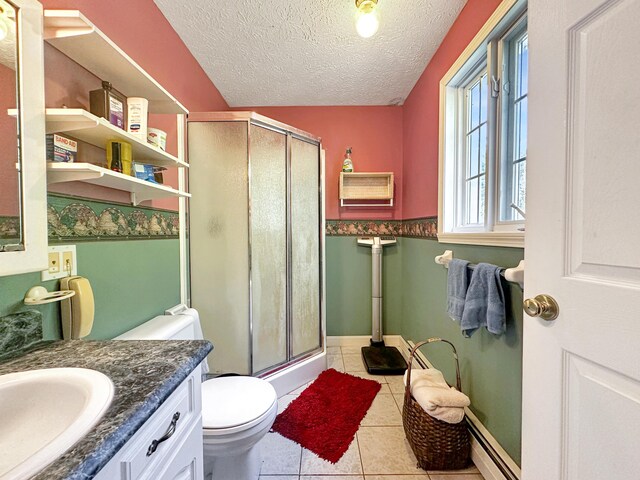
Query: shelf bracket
x,y
137,198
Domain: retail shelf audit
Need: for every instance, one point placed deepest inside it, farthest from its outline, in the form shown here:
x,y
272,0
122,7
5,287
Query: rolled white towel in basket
x,y
434,395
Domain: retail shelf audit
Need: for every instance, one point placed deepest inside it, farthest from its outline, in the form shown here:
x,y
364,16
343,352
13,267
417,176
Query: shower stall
x,y
256,223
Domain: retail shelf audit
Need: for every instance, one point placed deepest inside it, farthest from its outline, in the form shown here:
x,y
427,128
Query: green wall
x,y
132,281
415,289
348,272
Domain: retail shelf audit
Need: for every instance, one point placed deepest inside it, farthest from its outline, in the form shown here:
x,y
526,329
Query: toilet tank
x,y
165,327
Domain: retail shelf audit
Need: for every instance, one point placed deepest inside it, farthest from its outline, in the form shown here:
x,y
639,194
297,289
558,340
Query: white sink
x,y
44,412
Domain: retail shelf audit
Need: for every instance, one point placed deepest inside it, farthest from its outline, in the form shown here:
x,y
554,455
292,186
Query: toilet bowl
x,y
237,411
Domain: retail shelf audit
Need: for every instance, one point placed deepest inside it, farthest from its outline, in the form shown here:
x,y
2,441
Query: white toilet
x,y
236,411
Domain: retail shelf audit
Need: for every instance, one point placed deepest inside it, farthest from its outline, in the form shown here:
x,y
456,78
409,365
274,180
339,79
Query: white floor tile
x,y
279,477
383,412
385,450
280,456
351,350
349,463
331,477
399,398
353,363
284,401
471,470
334,351
375,378
395,383
335,362
454,476
397,477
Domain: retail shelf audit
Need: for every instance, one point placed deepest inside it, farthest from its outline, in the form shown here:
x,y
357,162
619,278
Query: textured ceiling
x,y
297,52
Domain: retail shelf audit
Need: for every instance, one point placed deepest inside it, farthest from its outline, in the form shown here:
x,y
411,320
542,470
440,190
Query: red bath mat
x,y
327,414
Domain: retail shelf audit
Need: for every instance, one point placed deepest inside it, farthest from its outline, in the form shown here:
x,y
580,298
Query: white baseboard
x,y
362,341
484,462
480,456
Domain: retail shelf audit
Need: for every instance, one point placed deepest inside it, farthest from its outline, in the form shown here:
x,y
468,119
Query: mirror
x,y
11,236
23,171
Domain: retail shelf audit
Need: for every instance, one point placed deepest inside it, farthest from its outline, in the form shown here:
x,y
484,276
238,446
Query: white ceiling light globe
x,y
367,24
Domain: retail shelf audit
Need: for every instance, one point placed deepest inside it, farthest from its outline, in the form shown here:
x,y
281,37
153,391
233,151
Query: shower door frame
x,y
260,121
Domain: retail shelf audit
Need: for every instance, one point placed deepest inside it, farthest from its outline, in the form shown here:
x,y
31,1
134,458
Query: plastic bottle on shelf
x,y
347,164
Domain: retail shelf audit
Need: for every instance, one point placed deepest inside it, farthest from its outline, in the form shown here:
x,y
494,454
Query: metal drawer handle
x,y
170,431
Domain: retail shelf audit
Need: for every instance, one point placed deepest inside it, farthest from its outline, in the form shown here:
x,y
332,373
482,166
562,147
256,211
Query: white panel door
x,y
581,398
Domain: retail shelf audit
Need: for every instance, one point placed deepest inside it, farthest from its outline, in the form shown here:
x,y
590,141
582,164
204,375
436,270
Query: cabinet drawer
x,y
186,464
168,426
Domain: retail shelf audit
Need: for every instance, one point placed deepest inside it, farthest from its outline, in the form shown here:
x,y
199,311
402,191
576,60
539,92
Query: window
x,y
483,139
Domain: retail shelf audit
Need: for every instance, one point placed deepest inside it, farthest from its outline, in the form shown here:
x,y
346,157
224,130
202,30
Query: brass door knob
x,y
543,306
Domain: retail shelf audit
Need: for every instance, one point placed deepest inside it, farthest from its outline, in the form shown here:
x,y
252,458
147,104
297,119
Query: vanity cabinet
x,y
179,456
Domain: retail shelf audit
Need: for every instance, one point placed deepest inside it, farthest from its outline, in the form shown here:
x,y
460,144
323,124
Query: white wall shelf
x,y
88,128
140,190
77,37
366,186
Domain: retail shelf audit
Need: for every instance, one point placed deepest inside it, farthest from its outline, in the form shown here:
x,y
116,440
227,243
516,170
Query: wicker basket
x,y
436,444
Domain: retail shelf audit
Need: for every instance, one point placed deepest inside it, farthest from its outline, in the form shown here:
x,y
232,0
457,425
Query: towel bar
x,y
514,274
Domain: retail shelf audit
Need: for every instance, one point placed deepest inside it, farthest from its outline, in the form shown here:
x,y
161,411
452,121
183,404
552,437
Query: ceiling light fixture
x,y
367,21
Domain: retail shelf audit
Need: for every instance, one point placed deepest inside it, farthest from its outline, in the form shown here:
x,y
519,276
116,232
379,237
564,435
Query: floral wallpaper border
x,y
72,218
9,227
426,228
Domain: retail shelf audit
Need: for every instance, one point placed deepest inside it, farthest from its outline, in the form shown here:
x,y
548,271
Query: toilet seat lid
x,y
232,401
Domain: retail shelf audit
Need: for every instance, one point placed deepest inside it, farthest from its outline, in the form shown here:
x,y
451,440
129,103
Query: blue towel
x,y
484,303
457,283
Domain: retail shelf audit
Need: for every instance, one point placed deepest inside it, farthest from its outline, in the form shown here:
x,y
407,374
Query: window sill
x,y
494,239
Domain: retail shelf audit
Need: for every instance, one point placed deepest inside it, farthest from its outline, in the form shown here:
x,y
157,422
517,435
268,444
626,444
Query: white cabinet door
x,y
581,385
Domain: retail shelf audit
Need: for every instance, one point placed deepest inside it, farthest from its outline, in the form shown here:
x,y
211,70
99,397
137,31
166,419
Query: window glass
x,y
475,110
513,185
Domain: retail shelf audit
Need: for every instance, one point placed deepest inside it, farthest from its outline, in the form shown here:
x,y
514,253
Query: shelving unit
x,y
140,190
366,186
78,38
88,128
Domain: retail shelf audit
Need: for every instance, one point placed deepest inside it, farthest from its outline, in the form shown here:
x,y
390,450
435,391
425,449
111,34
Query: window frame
x,y
487,48
506,115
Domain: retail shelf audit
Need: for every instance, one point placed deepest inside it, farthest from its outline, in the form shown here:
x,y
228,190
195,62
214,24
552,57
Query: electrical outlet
x,y
62,262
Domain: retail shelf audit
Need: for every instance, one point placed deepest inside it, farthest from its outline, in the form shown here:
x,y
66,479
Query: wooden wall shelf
x,y
366,186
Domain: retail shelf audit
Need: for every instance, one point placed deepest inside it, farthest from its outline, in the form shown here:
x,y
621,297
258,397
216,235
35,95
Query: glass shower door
x,y
305,264
268,237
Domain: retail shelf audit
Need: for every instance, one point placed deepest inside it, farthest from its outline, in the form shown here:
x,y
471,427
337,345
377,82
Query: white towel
x,y
434,395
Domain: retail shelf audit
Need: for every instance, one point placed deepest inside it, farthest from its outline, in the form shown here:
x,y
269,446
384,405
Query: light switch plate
x,y
63,252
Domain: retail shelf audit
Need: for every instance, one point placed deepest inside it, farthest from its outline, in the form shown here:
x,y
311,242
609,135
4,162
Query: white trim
x,y
33,152
497,239
182,212
484,463
295,376
447,148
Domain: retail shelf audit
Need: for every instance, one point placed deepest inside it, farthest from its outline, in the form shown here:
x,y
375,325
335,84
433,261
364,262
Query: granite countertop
x,y
144,374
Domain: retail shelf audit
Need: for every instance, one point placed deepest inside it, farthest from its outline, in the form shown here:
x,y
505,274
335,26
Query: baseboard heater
x,y
495,456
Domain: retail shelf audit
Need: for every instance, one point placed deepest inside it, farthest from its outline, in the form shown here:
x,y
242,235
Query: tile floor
x,y
379,451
